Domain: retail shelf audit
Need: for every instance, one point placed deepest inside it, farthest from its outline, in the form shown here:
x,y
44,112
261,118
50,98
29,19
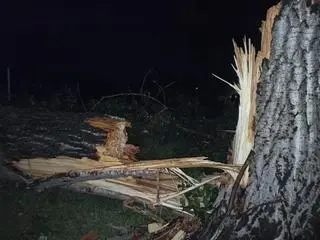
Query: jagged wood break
x,y
282,199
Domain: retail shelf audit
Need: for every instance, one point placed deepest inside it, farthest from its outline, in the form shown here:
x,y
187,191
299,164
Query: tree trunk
x,y
26,133
282,200
60,148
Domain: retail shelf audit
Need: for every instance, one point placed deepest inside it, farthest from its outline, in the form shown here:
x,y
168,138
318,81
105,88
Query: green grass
x,y
60,214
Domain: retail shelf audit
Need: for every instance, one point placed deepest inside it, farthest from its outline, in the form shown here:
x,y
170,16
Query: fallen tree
x,y
90,153
277,198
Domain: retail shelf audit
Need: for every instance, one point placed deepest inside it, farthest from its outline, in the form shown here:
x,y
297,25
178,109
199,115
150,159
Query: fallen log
x,y
27,133
89,153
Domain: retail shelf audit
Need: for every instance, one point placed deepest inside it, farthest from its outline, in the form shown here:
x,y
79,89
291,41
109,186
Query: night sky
x,y
108,46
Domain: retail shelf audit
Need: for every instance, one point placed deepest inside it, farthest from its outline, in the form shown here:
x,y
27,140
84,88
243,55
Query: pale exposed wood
x,y
266,32
248,68
40,167
117,137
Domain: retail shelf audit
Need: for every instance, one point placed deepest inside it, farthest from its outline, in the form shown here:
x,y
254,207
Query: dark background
x,y
108,46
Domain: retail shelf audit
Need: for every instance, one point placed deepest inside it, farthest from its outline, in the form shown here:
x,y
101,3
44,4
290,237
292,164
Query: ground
x,y
61,214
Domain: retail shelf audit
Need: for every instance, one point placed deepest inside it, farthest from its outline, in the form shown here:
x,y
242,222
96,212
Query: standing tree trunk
x,y
283,197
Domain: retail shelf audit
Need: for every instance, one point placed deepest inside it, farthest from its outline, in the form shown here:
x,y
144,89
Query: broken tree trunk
x,y
282,199
65,137
29,134
90,154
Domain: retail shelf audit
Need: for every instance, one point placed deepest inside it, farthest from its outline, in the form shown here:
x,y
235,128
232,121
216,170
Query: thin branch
x,y
189,189
81,100
194,132
145,79
161,90
169,84
234,86
129,94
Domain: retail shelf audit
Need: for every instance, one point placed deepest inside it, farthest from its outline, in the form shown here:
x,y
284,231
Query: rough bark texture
x,y
47,137
283,198
285,191
25,133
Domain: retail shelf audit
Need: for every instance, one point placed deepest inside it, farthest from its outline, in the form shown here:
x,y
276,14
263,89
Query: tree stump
x,y
283,196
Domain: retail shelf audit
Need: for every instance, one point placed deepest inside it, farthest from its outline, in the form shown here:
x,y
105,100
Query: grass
x,y
60,214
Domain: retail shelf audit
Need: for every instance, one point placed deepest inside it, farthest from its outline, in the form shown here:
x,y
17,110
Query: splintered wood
x,y
115,171
106,164
116,140
266,32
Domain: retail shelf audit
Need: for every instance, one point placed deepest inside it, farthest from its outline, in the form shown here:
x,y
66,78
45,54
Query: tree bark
x,y
61,148
25,133
282,200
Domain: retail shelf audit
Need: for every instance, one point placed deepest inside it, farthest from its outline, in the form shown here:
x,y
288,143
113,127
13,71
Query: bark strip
x,y
93,174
